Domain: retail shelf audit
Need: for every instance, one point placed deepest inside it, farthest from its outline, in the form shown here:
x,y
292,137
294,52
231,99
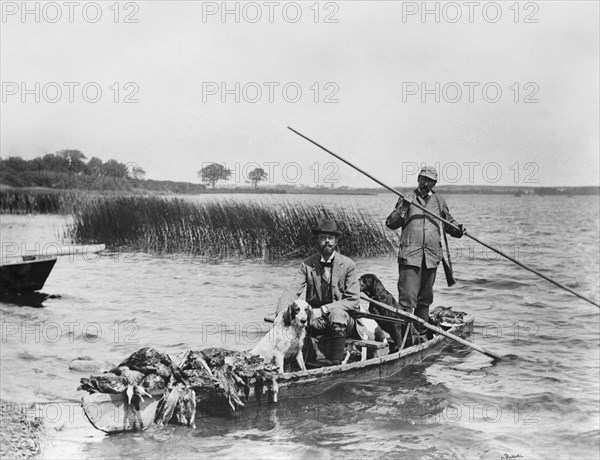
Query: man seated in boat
x,y
332,290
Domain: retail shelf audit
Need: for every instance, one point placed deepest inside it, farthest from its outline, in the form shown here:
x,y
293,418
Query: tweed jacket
x,y
344,282
420,237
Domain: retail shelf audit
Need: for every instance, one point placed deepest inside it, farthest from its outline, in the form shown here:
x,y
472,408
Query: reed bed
x,y
223,230
40,201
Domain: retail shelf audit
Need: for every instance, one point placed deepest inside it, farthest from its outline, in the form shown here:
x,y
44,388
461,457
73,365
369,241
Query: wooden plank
x,y
367,343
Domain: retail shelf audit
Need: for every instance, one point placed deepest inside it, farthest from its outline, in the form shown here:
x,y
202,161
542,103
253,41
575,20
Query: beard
x,y
327,251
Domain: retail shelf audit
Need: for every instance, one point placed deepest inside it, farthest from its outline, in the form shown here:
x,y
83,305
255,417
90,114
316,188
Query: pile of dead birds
x,y
445,316
201,375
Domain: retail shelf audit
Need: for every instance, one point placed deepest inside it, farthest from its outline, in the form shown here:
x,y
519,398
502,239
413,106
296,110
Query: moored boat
x,y
112,413
27,275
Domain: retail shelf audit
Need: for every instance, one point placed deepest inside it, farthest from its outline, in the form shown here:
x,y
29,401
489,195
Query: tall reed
x,y
223,230
40,201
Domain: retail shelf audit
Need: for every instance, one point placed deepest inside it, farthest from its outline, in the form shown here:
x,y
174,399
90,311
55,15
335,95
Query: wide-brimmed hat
x,y
430,172
327,226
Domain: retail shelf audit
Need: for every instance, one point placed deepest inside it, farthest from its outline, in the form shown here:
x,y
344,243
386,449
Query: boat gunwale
x,y
37,260
299,376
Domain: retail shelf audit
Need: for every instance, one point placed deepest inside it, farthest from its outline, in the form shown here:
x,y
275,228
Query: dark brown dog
x,y
373,288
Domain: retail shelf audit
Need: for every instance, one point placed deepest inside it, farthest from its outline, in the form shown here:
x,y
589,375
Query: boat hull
x,y
25,276
112,413
314,381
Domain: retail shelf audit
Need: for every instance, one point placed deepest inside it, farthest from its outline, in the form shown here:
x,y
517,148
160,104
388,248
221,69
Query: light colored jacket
x,y
344,282
420,237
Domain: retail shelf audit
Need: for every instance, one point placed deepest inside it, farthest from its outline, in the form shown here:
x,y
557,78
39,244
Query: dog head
x,y
368,283
372,286
297,312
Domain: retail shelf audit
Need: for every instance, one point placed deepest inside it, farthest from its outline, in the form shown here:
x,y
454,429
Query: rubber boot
x,y
338,343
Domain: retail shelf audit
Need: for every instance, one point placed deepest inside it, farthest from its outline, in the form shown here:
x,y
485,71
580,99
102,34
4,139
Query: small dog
x,y
373,288
286,337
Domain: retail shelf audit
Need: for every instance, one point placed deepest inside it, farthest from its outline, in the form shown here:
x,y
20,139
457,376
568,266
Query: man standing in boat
x,y
420,243
332,289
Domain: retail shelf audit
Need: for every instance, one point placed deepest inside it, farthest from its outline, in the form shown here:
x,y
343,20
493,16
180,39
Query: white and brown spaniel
x,y
286,337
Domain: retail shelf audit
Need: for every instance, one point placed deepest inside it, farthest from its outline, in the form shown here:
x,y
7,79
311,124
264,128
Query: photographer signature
x,y
507,456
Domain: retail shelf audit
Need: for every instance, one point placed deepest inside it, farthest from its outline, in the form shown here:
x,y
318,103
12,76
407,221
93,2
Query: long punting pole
x,y
526,267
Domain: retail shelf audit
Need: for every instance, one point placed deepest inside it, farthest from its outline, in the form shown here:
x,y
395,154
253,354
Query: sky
x,y
491,93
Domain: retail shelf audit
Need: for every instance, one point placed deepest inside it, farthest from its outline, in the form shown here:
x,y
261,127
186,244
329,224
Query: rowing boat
x,y
112,413
25,276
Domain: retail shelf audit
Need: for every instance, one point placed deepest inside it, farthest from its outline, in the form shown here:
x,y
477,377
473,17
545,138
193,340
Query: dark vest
x,y
326,294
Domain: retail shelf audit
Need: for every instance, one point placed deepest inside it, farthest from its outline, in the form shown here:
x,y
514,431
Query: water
x,y
542,404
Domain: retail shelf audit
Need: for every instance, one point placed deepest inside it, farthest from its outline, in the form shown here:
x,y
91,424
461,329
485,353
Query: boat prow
x,y
112,413
26,275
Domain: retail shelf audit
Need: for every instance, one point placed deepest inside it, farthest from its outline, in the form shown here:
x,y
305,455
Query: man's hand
x,y
463,229
404,203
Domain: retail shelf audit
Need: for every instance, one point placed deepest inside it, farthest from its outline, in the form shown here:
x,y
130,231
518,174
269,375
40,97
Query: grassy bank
x,y
222,230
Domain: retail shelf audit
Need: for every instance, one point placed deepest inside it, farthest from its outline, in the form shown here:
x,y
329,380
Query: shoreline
x,y
21,433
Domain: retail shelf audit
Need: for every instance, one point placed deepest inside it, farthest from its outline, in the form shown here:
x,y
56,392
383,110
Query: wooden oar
x,y
427,211
424,323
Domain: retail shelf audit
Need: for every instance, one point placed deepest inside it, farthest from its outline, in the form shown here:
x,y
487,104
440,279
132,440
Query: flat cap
x,y
429,171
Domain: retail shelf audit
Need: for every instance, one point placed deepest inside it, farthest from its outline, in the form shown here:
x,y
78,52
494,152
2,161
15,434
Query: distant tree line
x,y
215,172
67,169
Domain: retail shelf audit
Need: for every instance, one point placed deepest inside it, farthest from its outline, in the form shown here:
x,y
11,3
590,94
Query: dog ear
x,y
288,315
378,287
365,282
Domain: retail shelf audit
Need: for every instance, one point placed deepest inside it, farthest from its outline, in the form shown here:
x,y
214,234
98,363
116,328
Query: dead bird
x,y
185,412
202,374
147,360
446,316
168,404
105,383
153,382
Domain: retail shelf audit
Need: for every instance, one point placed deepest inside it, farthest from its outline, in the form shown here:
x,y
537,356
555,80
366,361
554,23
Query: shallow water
x,y
544,403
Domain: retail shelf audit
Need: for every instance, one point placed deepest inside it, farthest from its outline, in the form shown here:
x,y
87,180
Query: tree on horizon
x,y
213,173
74,160
257,175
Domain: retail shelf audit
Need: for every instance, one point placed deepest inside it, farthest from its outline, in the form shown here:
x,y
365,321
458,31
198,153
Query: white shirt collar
x,y
328,260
